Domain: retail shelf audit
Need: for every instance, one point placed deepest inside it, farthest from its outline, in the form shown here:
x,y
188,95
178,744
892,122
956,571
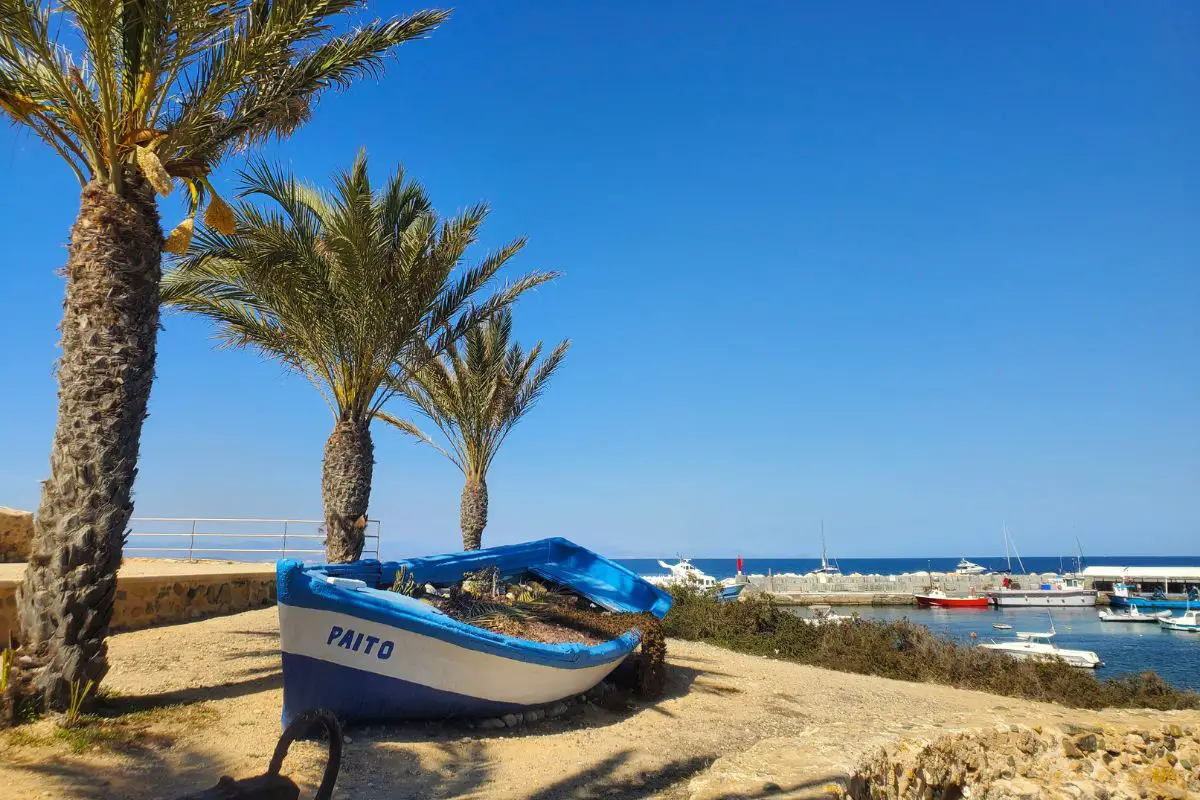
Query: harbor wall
x,y
875,589
172,593
16,533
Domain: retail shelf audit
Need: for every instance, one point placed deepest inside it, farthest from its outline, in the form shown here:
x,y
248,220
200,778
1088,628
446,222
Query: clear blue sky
x,y
913,268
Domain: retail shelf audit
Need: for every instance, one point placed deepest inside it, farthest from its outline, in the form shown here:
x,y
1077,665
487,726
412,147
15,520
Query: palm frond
x,y
477,394
348,286
190,80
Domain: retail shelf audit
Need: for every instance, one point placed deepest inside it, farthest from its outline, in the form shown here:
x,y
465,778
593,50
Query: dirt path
x,y
205,700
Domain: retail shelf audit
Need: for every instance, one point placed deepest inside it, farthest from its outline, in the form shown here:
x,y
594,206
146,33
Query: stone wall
x,y
145,600
1052,761
16,532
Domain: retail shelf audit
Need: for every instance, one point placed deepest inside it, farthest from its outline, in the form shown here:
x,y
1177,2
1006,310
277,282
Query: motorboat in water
x,y
682,573
936,598
1187,621
965,567
1002,626
1060,592
1134,614
351,646
1037,646
822,614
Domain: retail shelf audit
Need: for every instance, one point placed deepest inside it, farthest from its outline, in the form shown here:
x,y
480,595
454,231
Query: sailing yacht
x,y
826,567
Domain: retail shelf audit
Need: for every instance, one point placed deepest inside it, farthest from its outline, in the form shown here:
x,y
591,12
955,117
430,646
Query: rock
x,y
557,710
1070,749
534,715
1086,742
1174,730
491,724
512,720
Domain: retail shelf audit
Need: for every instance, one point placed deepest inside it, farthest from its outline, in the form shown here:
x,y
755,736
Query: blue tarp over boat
x,y
363,652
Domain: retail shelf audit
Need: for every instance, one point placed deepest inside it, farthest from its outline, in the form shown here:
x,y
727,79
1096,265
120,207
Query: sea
x,y
1124,648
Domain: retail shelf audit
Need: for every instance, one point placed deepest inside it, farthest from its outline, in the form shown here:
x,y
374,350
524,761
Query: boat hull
x,y
1146,602
1044,598
928,601
1108,616
364,653
1175,626
1025,651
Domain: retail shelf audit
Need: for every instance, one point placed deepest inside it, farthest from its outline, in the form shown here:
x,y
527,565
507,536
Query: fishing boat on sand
x,y
936,598
363,652
1134,614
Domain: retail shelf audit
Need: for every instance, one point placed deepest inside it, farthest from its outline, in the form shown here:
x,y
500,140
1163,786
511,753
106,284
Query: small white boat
x,y
823,614
1036,646
965,567
1187,621
683,573
1002,626
1132,615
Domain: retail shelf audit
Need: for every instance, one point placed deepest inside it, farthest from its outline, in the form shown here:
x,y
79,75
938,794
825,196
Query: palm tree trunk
x,y
346,489
473,512
109,328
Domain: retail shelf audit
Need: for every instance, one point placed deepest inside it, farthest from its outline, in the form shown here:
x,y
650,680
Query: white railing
x,y
220,538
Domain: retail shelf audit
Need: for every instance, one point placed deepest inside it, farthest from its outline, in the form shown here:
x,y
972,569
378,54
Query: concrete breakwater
x,y
875,590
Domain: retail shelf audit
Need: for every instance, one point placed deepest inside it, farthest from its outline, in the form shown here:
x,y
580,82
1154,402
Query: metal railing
x,y
220,537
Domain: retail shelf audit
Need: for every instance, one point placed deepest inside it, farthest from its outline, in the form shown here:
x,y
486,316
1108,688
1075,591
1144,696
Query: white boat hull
x,y
1038,651
1132,616
1044,598
1175,626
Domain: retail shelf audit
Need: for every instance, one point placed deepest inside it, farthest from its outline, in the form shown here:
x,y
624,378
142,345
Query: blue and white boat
x,y
1123,596
1187,621
364,652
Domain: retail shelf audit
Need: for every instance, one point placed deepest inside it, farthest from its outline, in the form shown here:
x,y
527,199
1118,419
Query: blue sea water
x,y
727,567
1125,649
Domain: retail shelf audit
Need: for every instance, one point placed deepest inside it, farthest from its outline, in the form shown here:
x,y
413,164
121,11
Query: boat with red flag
x,y
936,598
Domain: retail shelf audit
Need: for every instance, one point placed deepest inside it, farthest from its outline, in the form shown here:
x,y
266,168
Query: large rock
x,y
16,533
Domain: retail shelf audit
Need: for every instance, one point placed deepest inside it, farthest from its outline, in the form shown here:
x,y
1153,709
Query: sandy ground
x,y
207,698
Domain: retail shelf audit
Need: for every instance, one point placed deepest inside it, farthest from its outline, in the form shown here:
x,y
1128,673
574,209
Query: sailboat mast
x,y
824,562
1007,554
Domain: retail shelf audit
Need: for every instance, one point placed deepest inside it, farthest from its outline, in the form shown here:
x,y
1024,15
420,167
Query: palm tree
x,y
352,290
475,398
135,95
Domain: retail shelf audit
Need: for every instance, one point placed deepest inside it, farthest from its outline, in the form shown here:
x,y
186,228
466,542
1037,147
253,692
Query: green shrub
x,y
906,651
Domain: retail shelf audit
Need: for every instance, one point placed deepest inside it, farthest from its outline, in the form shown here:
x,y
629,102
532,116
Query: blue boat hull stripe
x,y
355,694
402,655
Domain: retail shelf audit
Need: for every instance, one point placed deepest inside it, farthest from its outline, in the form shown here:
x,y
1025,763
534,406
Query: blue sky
x,y
914,268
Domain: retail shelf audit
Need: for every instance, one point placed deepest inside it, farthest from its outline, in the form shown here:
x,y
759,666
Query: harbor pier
x,y
876,590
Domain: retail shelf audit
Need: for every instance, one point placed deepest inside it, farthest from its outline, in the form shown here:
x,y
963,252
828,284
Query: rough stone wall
x,y
1052,761
144,601
16,532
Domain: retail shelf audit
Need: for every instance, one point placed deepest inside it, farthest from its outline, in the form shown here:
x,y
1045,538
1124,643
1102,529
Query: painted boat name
x,y
347,638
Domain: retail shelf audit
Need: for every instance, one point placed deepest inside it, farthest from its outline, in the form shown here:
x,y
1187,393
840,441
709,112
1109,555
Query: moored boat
x,y
682,573
1187,621
363,652
1122,596
1134,614
1036,646
936,598
965,567
1059,593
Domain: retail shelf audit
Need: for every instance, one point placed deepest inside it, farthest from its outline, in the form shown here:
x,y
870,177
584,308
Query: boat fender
x,y
359,642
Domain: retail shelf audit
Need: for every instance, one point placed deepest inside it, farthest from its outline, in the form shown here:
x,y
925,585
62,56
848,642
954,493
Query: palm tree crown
x,y
353,289
167,87
475,395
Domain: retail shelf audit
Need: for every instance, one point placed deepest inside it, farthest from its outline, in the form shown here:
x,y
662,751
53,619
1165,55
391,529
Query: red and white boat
x,y
936,598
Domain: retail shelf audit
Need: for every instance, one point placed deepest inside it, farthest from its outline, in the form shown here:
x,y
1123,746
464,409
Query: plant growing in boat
x,y
475,396
355,289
